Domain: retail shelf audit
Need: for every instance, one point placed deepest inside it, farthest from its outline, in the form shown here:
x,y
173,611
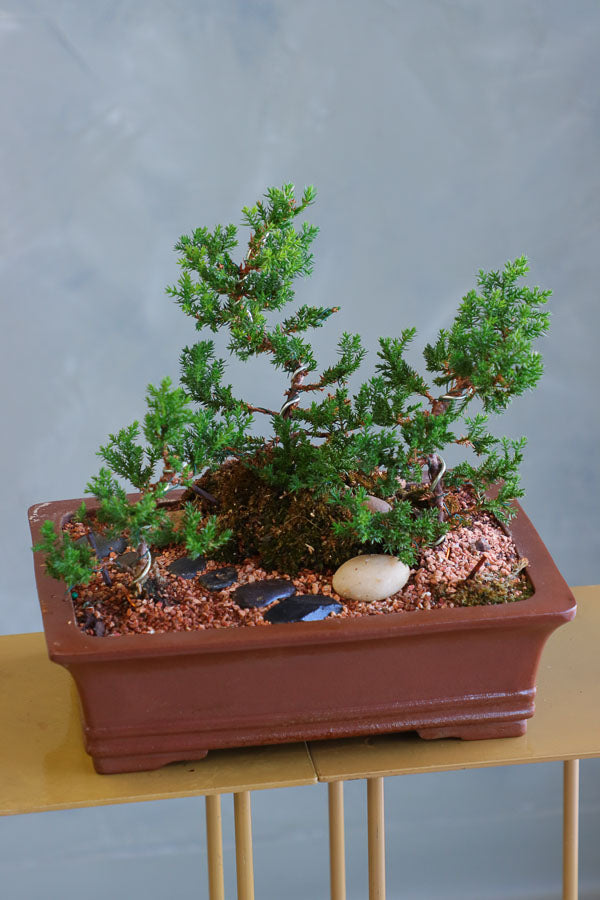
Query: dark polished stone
x,y
257,594
128,560
482,545
303,608
93,622
186,567
155,590
105,545
219,579
89,619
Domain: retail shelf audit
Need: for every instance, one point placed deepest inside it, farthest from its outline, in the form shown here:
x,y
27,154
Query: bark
x,y
434,467
293,392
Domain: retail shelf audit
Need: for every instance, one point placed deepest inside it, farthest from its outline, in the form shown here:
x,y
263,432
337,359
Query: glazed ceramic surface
x,y
150,699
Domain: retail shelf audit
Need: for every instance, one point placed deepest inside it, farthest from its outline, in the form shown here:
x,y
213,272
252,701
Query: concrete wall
x,y
442,137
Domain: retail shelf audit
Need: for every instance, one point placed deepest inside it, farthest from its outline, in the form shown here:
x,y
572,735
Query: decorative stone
x,y
89,620
370,577
176,516
92,621
376,504
155,590
303,608
186,567
219,579
482,545
104,545
257,594
128,561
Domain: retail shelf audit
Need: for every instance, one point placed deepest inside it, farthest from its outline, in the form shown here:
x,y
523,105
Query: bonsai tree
x,y
337,472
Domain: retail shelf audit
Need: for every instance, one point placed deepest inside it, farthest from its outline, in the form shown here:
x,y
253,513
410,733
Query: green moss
x,y
486,590
289,530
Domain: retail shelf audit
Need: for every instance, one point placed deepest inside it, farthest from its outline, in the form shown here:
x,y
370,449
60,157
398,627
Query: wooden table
x,y
44,765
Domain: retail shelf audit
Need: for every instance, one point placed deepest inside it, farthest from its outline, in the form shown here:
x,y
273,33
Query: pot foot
x,y
479,731
115,765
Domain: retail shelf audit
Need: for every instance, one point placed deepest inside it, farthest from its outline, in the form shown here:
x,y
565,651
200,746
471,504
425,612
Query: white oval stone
x,y
371,577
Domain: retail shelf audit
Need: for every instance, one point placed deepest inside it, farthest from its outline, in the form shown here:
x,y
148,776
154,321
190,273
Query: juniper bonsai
x,y
303,494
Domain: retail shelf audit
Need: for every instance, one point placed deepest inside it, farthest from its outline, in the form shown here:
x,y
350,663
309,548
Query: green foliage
x,y
298,495
218,293
164,429
186,441
199,534
139,517
64,559
500,467
402,532
488,348
80,513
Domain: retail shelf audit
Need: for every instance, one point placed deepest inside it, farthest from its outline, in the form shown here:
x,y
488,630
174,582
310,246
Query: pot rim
x,y
552,601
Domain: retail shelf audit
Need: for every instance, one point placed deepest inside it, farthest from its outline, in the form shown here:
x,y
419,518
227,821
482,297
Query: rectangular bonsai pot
x,y
150,699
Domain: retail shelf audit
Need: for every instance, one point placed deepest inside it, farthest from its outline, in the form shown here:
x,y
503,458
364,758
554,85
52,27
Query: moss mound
x,y
488,591
288,530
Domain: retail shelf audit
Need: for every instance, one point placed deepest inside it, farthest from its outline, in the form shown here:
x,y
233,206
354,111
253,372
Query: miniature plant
x,y
302,494
304,490
184,442
65,559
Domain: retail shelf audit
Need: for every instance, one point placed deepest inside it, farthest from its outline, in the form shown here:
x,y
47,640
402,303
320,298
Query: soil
x,y
475,564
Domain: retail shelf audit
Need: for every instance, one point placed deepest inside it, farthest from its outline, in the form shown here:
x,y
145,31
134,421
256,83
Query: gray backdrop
x,y
443,136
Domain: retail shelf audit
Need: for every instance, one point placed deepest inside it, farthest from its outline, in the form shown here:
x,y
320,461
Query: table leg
x,y
570,829
337,861
214,847
376,833
243,845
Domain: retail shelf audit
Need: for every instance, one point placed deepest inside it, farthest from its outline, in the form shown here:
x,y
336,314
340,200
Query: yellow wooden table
x,y
43,764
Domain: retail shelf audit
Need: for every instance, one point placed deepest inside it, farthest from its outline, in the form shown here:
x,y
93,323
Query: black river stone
x,y
155,590
91,621
302,608
104,545
219,579
187,567
256,594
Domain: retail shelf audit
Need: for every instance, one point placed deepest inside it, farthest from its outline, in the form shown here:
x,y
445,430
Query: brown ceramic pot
x,y
150,699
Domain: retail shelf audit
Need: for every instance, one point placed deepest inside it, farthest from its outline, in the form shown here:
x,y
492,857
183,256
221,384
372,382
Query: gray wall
x,y
442,137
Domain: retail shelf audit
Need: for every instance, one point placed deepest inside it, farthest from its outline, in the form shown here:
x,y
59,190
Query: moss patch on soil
x,y
287,530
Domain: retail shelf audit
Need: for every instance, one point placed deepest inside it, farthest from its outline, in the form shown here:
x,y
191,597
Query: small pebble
x,y
187,567
482,545
155,590
128,561
89,620
261,593
302,608
219,579
104,545
376,504
370,577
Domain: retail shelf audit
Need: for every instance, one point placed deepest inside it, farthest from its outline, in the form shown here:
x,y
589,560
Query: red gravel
x,y
196,608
